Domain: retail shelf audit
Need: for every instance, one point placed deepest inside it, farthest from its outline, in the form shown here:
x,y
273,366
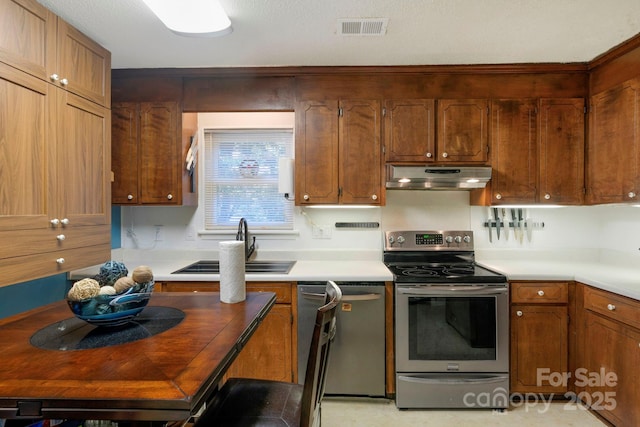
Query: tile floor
x,y
341,412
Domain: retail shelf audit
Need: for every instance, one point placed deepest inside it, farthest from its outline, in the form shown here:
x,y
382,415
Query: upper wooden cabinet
x,y
462,132
148,153
537,151
38,42
338,152
409,130
53,180
613,170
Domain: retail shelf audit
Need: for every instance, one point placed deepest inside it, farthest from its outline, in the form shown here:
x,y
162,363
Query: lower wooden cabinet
x,y
271,353
611,356
539,337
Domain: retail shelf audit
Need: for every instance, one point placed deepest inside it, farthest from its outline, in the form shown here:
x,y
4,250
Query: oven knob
x,y
458,239
466,239
448,239
391,240
400,239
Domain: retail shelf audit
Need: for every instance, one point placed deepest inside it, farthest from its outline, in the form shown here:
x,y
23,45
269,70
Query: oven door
x,y
452,328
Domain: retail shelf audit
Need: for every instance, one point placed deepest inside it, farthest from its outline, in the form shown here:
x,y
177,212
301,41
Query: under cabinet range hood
x,y
426,177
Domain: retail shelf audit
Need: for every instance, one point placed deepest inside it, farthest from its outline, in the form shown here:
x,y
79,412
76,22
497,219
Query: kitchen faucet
x,y
243,234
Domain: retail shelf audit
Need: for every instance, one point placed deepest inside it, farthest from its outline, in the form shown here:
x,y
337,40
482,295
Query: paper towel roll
x,y
232,280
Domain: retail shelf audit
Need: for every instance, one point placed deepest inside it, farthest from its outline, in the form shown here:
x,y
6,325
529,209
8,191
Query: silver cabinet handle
x,y
61,237
129,196
306,197
547,196
519,313
541,292
169,196
445,155
55,222
54,77
60,261
429,155
498,196
611,307
374,197
64,82
631,194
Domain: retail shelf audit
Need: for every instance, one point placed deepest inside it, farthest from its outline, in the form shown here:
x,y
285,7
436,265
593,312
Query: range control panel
x,y
421,240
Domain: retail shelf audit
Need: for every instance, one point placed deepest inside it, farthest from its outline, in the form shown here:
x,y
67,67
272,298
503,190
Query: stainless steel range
x,y
452,322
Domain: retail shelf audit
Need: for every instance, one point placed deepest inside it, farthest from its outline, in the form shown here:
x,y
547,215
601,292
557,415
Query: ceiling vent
x,y
362,26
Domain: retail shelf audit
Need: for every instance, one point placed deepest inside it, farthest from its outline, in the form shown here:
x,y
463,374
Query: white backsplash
x,y
609,228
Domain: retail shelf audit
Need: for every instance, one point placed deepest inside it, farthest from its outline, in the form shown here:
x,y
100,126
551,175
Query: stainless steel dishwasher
x,y
357,359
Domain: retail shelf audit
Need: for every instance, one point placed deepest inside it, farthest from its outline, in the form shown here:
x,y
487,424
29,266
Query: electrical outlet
x,y
159,233
190,234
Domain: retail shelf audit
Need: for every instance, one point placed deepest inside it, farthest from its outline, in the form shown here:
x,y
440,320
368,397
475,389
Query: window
x,y
241,178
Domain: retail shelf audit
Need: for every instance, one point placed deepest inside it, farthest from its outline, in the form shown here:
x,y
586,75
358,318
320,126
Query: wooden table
x,y
164,377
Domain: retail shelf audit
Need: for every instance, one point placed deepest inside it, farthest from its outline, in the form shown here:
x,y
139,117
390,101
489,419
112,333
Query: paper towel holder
x,y
285,176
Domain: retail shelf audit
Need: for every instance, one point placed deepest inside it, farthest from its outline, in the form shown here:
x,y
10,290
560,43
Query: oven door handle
x,y
449,290
345,298
452,380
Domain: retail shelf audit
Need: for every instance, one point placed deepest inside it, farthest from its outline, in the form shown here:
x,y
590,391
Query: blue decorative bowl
x,y
113,310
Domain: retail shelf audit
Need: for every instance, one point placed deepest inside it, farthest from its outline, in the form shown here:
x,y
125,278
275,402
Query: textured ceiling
x,y
420,32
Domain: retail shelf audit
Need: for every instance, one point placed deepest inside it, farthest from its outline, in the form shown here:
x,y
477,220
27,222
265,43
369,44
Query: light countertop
x,y
602,270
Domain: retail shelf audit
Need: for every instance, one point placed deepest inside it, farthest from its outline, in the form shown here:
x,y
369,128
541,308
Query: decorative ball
x,y
83,289
122,284
142,274
107,290
110,272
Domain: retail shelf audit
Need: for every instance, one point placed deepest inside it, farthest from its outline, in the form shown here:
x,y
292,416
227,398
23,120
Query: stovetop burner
x,y
435,257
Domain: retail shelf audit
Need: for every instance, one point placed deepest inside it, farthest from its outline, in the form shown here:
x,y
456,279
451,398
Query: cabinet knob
x,y
498,196
429,155
306,197
541,292
61,237
631,194
445,155
519,313
64,82
54,77
64,221
129,196
169,196
60,261
55,222
374,197
611,307
547,196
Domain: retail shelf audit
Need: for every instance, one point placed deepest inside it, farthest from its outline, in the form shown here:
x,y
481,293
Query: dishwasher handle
x,y
345,298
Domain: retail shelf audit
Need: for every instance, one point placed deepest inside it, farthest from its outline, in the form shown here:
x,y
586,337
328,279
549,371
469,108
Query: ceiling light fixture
x,y
192,18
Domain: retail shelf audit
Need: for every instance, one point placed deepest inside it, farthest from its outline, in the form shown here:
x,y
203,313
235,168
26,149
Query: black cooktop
x,y
409,272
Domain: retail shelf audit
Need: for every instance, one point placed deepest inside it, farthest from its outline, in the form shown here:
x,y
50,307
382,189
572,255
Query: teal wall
x,y
24,296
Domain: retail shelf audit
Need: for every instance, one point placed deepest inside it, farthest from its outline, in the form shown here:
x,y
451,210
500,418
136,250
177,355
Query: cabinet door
x,y
409,130
539,340
25,181
159,162
513,154
124,152
561,151
263,356
611,348
28,37
316,163
83,161
360,153
463,130
84,64
614,145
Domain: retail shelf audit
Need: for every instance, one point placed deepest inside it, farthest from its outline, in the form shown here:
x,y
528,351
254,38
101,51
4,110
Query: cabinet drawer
x,y
542,292
616,307
281,289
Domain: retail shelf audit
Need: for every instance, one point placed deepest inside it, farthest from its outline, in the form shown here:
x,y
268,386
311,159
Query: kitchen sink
x,y
255,267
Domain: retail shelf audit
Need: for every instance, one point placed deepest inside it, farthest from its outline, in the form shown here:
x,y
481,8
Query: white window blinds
x,y
241,178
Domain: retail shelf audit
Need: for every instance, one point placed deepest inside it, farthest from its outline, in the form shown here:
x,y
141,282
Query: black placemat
x,y
76,334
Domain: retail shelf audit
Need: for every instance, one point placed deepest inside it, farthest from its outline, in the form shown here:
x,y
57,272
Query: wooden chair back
x,y
315,377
